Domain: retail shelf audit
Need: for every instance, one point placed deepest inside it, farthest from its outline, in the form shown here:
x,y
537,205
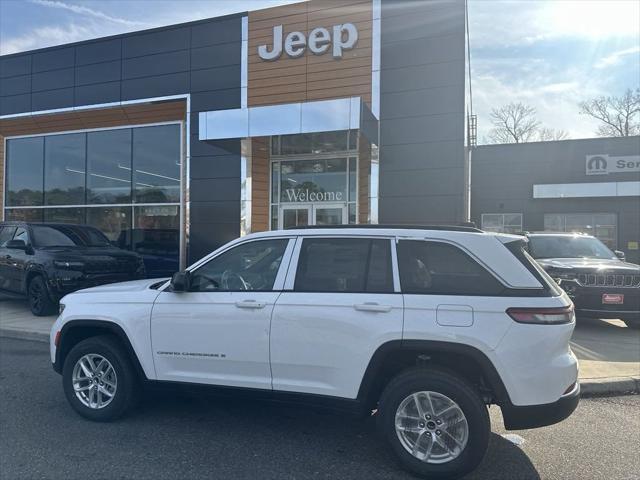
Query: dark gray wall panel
x,y
428,102
51,99
215,190
212,33
15,85
54,59
216,100
422,112
100,51
155,42
215,78
214,147
206,237
98,93
52,80
158,64
98,73
16,65
215,212
222,166
418,77
172,84
215,56
15,104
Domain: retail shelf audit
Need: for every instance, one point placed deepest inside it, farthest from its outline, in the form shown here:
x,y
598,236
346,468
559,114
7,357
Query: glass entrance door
x,y
310,214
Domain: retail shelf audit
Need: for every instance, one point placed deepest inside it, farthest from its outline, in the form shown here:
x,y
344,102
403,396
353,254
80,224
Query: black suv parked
x,y
599,281
45,261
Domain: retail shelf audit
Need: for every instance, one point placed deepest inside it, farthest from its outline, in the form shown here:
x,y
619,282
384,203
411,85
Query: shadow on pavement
x,y
605,340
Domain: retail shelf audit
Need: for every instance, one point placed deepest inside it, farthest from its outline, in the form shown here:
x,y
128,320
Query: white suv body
x,y
312,322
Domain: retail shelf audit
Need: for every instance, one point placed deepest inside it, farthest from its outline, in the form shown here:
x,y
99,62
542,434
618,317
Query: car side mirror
x,y
16,245
181,281
620,254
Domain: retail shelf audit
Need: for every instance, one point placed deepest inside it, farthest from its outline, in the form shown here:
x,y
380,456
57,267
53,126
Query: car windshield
x,y
568,247
68,236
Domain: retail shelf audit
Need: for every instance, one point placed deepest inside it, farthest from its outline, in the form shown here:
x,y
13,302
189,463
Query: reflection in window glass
x,y
65,215
441,269
23,214
250,266
342,264
114,222
64,169
156,237
307,143
313,180
353,179
109,166
25,157
604,226
156,164
6,234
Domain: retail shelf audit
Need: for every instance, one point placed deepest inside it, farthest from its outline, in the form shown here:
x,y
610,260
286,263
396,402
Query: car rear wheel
x,y
39,301
436,424
98,379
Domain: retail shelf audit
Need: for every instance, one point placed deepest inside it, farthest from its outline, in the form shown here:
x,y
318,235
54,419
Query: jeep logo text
x,y
342,37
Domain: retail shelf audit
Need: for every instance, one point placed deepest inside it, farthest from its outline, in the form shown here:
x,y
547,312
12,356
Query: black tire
x,y
448,384
127,391
40,302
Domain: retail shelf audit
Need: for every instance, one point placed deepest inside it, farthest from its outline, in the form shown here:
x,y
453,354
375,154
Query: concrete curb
x,y
589,387
24,335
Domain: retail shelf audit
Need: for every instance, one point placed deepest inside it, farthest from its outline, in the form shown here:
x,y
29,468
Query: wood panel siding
x,y
260,173
137,114
310,77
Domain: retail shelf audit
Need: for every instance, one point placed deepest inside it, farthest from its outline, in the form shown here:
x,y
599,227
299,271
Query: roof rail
x,y
452,228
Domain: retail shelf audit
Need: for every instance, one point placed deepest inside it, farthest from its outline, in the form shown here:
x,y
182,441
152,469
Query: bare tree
x,y
549,134
620,116
513,123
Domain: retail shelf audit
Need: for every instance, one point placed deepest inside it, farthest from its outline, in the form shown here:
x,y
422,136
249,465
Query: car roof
x,y
558,234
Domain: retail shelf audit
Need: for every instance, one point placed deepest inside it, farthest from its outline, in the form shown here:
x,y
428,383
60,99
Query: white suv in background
x,y
427,326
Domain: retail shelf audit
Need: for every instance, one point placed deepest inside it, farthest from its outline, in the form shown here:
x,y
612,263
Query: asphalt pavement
x,y
190,437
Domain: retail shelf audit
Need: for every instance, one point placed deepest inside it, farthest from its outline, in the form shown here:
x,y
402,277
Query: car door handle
x,y
250,304
372,307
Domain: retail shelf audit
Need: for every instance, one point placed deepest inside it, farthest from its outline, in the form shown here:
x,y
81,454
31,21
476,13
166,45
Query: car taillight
x,y
542,316
56,340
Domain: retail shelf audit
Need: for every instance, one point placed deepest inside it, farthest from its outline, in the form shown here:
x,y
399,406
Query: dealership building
x,y
173,141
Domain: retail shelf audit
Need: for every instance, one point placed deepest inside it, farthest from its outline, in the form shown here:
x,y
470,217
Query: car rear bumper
x,y
534,416
596,313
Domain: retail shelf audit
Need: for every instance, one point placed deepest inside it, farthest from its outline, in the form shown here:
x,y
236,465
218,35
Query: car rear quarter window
x,y
347,265
442,269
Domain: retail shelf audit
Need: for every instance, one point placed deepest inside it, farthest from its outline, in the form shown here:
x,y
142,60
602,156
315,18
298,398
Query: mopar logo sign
x,y
605,164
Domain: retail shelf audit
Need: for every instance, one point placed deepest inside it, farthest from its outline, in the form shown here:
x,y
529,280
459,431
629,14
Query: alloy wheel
x,y
431,427
94,381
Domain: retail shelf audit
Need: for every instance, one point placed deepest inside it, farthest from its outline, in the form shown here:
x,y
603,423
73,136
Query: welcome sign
x,y
297,195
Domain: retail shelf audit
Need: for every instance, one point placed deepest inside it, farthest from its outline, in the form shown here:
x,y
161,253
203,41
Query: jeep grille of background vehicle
x,y
608,280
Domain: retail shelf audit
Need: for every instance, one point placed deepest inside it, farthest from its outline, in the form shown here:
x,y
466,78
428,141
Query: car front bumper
x,y
534,416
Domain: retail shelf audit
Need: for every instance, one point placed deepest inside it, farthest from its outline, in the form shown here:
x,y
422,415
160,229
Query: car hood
x,y
91,252
137,291
588,264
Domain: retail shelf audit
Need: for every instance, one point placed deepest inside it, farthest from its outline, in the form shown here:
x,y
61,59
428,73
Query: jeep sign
x,y
343,37
605,164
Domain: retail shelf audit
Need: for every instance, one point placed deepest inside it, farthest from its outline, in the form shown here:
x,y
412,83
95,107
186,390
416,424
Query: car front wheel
x,y
39,301
436,423
98,379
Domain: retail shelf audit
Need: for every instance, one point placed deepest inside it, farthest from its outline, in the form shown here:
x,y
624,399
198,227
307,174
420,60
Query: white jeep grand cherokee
x,y
427,326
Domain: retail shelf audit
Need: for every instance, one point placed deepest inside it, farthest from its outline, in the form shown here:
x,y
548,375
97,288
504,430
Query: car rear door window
x,y
354,265
442,269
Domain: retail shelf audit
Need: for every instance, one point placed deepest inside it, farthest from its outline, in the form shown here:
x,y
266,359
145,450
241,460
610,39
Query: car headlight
x,y
65,265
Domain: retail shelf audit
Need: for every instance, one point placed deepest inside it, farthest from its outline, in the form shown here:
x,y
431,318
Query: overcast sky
x,y
549,54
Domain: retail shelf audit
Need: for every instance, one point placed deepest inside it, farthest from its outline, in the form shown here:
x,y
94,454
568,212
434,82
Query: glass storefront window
x,y
114,222
353,179
156,237
65,215
109,166
604,226
314,143
502,222
24,214
64,169
313,180
156,164
25,158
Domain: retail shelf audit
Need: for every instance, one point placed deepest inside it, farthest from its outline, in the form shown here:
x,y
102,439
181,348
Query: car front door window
x,y
252,266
